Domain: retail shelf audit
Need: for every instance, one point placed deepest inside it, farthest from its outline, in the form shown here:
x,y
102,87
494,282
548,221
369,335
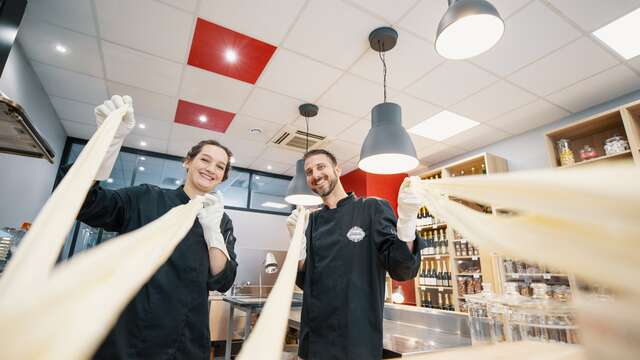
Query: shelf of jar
x,y
619,155
470,274
465,257
439,288
542,275
435,226
437,257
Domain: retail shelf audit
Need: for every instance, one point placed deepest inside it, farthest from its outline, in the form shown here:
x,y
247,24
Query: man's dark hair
x,y
195,150
313,152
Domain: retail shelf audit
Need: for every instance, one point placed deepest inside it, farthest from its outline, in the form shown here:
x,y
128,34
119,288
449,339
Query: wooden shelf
x,y
437,257
542,275
436,287
437,226
469,274
600,159
471,257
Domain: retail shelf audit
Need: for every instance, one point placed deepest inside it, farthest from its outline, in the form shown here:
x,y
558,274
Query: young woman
x,y
168,318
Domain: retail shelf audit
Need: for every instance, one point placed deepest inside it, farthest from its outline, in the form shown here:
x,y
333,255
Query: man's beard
x,y
332,185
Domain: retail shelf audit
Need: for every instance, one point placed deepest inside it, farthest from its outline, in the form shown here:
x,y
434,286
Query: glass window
x,y
267,193
236,188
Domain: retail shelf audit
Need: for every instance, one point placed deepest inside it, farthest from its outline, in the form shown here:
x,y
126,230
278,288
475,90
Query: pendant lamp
x,y
387,149
298,192
468,28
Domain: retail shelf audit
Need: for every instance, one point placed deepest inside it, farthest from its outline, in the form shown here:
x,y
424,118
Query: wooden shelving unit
x,y
477,165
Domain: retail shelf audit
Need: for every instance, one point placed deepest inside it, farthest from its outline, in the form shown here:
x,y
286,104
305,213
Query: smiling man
x,y
169,317
350,243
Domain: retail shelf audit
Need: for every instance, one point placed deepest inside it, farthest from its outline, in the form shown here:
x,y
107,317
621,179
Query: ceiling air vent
x,y
297,140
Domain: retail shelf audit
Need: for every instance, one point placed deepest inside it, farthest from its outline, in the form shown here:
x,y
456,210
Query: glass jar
x,y
588,152
499,310
615,144
480,323
565,153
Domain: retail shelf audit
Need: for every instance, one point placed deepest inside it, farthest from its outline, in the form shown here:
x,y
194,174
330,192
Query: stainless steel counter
x,y
408,330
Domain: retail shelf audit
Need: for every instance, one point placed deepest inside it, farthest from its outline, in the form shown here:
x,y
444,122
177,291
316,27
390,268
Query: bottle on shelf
x,y
446,242
428,303
439,275
446,275
484,170
421,275
432,243
433,280
439,306
447,304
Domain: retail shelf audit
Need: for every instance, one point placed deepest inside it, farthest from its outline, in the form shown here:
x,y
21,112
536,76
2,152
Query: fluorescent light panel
x,y
443,125
621,35
275,205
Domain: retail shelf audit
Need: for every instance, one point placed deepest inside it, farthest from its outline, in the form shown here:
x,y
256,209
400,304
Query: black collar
x,y
184,198
344,201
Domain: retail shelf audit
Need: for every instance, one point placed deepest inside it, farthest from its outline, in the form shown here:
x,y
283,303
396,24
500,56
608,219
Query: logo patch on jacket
x,y
356,234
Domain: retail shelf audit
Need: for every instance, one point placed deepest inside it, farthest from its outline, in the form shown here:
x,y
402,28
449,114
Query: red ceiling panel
x,y
193,115
214,48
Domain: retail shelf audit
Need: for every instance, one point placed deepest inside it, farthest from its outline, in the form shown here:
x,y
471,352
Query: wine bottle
x,y
429,304
432,244
446,280
446,242
439,275
484,170
446,302
440,301
432,277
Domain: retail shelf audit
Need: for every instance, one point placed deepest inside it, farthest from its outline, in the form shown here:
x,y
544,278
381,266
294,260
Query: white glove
x,y
292,220
409,201
128,122
210,217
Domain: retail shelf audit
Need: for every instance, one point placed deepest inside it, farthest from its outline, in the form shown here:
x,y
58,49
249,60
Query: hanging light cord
x,y
306,119
384,71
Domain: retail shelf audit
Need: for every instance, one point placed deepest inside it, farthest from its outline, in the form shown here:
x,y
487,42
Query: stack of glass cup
x,y
513,317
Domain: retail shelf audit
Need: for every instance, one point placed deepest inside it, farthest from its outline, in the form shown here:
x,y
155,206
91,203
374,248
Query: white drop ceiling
x,y
547,66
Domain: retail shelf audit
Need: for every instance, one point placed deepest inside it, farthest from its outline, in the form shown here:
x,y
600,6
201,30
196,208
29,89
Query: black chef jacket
x,y
349,248
169,317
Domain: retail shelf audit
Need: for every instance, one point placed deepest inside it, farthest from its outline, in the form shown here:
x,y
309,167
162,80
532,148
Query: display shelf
x,y
436,257
431,227
436,287
470,274
472,258
540,275
619,156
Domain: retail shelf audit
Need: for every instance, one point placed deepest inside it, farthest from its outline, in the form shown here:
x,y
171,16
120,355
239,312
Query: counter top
x,y
257,302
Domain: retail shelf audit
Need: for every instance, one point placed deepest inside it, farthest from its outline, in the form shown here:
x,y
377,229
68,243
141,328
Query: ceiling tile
x,y
152,144
138,69
39,41
242,124
564,67
147,26
593,14
331,31
210,89
75,15
71,85
356,133
423,19
528,117
183,137
271,166
74,110
341,95
495,100
420,142
187,5
342,150
213,45
203,117
78,130
290,171
635,63
476,137
390,11
525,40
274,153
450,83
439,153
146,103
297,76
327,123
265,20
267,105
597,89
152,128
413,110
244,150
410,59
347,167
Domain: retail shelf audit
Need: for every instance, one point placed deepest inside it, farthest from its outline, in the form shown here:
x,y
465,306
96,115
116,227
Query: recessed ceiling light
x,y
109,180
142,126
141,168
202,118
257,177
442,126
61,49
269,167
231,56
618,35
142,158
275,205
143,143
177,182
232,160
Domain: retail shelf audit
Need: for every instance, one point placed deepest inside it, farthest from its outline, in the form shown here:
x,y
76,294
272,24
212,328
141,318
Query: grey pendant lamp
x,y
298,192
387,149
468,28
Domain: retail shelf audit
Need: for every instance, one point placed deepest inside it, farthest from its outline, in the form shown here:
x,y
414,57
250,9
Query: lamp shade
x,y
270,263
298,192
468,28
387,149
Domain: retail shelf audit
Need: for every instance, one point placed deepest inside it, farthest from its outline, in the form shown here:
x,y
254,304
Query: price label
x,y
515,276
474,258
437,257
546,276
440,289
476,276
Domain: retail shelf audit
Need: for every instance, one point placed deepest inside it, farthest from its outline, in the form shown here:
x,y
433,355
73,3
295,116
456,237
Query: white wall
x,y
26,183
528,150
